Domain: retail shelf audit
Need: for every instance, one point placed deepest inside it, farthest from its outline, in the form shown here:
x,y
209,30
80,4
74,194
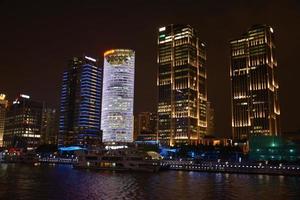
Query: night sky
x,y
38,38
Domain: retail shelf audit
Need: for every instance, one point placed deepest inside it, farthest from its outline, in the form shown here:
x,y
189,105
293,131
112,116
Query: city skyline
x,y
140,99
218,71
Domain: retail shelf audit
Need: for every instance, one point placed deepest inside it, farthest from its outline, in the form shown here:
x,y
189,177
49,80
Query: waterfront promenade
x,y
232,167
210,166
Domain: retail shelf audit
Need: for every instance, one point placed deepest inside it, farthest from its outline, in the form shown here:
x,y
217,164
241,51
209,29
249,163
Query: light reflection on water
x,y
63,182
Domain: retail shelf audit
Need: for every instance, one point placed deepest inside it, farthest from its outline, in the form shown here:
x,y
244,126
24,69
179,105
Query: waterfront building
x,y
23,123
215,141
118,95
181,82
273,148
49,129
210,115
147,126
80,104
254,84
3,107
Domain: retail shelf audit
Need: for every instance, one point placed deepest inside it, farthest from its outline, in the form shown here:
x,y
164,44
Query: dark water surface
x,y
62,182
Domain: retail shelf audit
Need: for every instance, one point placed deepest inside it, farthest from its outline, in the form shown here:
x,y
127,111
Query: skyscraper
x,y
23,123
80,105
49,129
210,115
254,84
181,85
3,106
118,95
146,126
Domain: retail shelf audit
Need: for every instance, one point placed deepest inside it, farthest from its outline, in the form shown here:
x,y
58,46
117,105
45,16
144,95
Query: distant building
x,y
3,107
118,95
135,126
181,82
147,126
273,148
23,123
49,130
254,84
210,115
214,141
80,104
292,135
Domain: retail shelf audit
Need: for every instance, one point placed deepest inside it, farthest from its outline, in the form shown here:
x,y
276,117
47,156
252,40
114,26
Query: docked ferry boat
x,y
119,159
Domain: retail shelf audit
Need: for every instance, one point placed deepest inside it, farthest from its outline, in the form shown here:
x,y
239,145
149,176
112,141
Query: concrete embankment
x,y
232,167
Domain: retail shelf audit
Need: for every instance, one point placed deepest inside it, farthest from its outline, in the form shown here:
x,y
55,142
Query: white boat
x,y
119,159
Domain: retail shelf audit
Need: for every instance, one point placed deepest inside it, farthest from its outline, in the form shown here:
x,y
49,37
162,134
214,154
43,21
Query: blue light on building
x,y
70,148
80,109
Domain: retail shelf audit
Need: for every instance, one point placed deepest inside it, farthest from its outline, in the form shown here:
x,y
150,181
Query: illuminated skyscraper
x,y
118,96
80,105
23,123
3,106
181,85
254,82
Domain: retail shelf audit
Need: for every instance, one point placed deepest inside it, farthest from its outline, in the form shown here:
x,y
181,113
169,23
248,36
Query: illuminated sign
x,y
25,96
162,29
116,147
89,58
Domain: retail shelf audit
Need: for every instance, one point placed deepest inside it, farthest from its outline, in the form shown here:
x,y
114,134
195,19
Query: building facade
x,y
147,126
118,95
49,126
80,104
23,123
3,107
254,84
181,85
210,115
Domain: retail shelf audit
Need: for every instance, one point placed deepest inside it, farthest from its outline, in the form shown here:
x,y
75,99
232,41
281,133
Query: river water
x,y
62,182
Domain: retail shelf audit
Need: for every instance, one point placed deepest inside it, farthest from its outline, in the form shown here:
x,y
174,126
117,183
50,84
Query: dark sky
x,y
37,39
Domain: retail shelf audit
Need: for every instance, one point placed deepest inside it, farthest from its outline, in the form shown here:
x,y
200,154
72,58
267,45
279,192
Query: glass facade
x,y
80,108
118,96
181,85
254,83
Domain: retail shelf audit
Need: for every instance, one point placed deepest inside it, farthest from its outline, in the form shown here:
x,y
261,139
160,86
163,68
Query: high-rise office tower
x,y
23,123
147,126
80,105
254,84
181,85
49,130
3,106
118,95
210,115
